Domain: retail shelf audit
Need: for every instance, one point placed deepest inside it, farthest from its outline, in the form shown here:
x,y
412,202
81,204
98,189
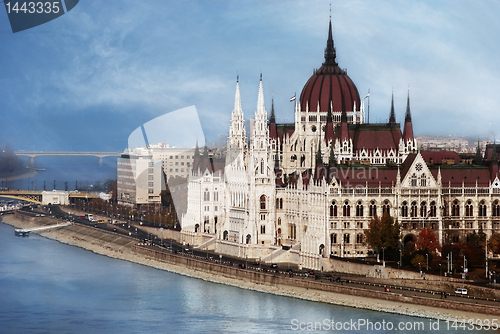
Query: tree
x,y
418,261
383,233
427,242
494,243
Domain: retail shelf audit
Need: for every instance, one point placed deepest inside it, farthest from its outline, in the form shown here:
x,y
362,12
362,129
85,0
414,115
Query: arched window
x,y
359,209
423,180
262,166
281,203
433,209
455,209
414,180
346,238
262,229
279,232
196,228
359,238
386,208
423,209
346,209
404,209
333,238
333,209
249,238
469,211
226,235
482,209
373,209
277,203
263,202
279,221
495,212
206,195
414,209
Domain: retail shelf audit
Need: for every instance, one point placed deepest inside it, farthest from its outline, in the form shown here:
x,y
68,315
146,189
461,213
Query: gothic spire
x,y
237,99
408,128
392,117
272,119
319,159
331,159
330,53
408,113
261,108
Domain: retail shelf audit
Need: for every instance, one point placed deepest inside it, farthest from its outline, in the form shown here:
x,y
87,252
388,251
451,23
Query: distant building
x,y
142,172
55,197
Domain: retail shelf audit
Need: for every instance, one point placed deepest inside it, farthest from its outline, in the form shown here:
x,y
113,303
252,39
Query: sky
x,y
88,79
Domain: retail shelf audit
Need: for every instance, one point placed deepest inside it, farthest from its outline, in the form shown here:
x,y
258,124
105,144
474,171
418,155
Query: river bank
x,y
123,247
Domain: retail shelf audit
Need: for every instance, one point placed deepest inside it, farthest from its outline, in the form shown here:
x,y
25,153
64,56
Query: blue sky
x,y
86,80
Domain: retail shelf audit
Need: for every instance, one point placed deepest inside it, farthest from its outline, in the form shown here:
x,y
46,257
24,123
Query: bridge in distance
x,y
33,154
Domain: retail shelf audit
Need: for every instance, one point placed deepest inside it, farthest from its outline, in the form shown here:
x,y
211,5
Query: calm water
x,y
50,287
84,171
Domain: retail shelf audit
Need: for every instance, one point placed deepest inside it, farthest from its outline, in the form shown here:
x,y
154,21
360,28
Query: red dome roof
x,y
330,83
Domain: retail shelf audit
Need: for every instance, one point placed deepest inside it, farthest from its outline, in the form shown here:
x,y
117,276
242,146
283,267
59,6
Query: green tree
x,y
383,233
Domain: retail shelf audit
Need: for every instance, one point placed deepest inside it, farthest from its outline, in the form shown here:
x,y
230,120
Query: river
x,y
50,287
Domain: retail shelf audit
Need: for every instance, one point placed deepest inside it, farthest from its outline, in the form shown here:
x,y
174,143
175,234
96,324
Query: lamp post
x,y
440,269
383,256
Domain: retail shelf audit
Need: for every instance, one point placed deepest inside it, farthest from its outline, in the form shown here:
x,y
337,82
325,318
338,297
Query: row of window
x,y
414,208
346,209
347,238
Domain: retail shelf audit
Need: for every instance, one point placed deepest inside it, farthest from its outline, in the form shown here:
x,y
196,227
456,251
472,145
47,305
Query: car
x,y
242,266
274,265
460,291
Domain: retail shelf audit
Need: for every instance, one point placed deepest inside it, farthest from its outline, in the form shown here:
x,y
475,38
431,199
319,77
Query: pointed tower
x,y
273,133
392,116
410,144
494,163
236,143
478,158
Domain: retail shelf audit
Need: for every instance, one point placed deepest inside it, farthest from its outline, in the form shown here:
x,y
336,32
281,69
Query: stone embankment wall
x,y
270,279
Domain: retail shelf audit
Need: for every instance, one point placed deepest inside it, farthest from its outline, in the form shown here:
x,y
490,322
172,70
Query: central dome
x,y
329,83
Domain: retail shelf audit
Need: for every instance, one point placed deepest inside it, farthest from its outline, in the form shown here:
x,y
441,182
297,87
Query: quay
x,y
24,232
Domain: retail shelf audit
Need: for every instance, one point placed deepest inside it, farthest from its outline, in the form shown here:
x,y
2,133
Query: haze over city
x,y
86,80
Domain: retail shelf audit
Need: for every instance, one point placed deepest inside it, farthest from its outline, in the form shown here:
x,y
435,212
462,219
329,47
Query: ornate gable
x,y
418,174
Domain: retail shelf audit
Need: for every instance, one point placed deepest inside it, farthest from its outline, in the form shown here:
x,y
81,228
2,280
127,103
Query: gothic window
x,y
333,238
333,209
386,209
277,203
414,180
359,238
414,209
346,209
433,209
263,202
262,229
423,209
423,180
279,232
469,211
359,209
225,235
495,209
482,209
279,221
206,195
281,203
404,209
373,209
455,209
216,196
262,166
346,238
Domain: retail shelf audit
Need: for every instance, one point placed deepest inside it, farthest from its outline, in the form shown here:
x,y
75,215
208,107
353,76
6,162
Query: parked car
x,y
460,291
274,265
